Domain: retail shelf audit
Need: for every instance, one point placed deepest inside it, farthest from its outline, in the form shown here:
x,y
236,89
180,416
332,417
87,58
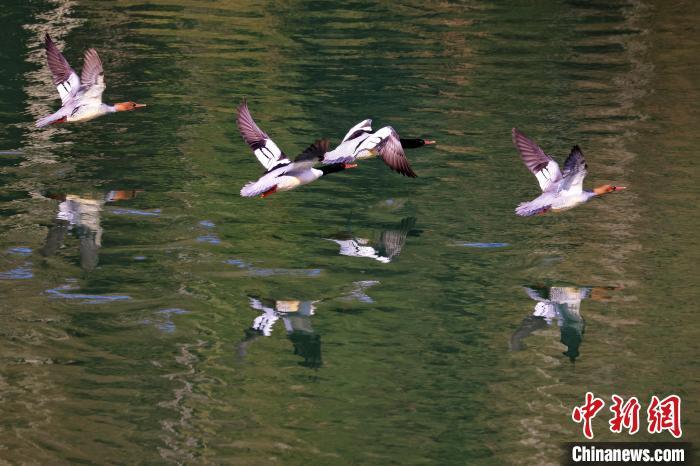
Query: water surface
x,y
149,314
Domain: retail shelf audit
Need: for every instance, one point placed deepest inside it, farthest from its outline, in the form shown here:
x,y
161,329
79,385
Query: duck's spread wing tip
x,y
575,159
92,72
250,131
64,77
263,147
314,152
392,154
575,171
545,169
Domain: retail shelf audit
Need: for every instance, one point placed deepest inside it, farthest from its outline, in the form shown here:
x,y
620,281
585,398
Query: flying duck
x,y
361,143
560,190
81,97
281,173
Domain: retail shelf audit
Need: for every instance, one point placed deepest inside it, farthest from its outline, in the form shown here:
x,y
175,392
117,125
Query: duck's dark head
x,y
336,167
412,143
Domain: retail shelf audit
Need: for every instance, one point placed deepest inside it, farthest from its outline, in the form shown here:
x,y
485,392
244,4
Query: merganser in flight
x,y
282,174
560,190
361,143
81,97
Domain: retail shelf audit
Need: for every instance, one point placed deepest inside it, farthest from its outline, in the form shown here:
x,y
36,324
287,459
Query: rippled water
x,y
149,314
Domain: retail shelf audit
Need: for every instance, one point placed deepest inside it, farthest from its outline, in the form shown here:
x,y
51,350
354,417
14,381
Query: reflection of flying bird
x,y
560,190
296,318
81,97
560,304
272,310
361,143
384,250
282,174
359,292
83,214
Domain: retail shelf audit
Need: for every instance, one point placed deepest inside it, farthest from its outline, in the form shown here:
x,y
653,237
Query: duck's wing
x,y
363,127
391,241
575,171
65,78
263,147
92,78
343,153
545,169
391,152
535,294
312,154
346,151
261,304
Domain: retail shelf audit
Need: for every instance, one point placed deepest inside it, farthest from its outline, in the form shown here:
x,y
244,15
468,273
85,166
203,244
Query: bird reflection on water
x,y
560,304
295,316
82,214
385,249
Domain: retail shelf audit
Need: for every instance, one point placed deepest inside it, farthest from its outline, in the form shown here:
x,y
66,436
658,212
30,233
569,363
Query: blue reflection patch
x,y
484,245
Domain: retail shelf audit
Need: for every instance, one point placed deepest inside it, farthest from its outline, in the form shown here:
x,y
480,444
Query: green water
x,y
125,324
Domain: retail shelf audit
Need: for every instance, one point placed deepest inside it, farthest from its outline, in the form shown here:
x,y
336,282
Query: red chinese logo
x,y
587,412
625,415
665,415
661,415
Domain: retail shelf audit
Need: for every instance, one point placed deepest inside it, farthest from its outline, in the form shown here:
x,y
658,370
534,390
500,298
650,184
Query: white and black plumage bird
x,y
560,190
362,143
281,173
81,97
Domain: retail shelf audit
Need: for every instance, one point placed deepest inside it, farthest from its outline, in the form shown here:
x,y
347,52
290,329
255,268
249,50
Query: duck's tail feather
x,y
259,188
527,209
57,117
251,189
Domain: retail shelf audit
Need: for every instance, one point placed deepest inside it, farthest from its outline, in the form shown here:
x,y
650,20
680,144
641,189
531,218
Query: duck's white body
x,y
555,201
284,178
89,111
359,143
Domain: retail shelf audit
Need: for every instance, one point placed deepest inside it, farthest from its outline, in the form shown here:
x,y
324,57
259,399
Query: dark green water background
x,y
124,336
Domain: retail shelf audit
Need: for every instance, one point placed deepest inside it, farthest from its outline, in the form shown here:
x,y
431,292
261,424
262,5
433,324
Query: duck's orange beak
x,y
429,141
350,165
127,106
620,188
